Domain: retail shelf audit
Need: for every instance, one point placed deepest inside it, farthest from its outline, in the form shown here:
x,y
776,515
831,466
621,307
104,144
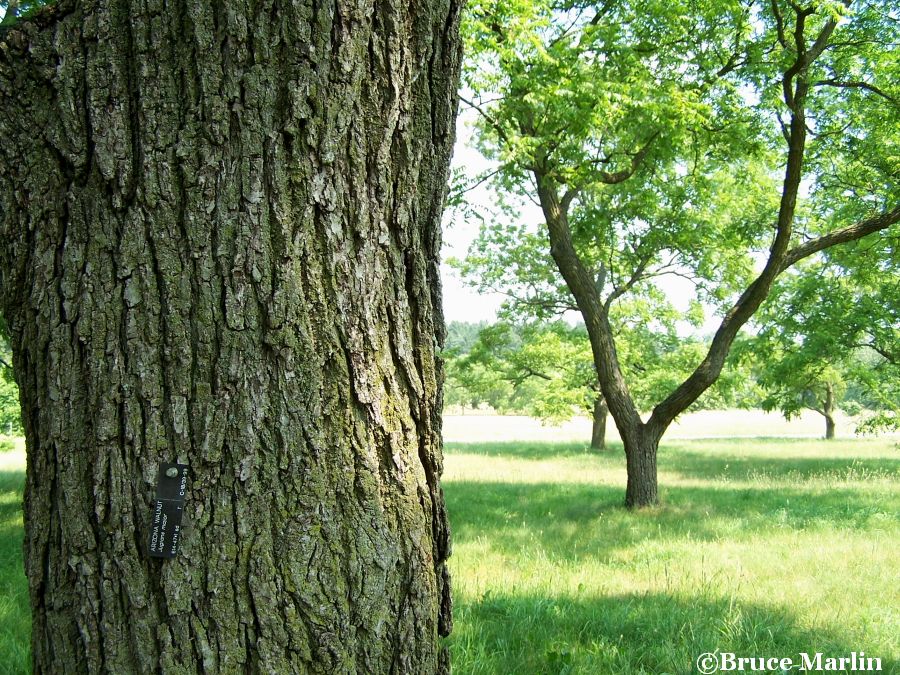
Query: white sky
x,y
462,303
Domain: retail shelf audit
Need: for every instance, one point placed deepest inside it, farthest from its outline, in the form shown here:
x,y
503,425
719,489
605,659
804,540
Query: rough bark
x,y
220,233
598,429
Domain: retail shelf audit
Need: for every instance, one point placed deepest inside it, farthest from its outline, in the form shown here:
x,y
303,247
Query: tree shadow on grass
x,y
627,634
695,459
571,520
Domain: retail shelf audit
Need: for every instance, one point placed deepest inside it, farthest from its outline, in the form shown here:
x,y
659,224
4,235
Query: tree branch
x,y
779,24
636,276
480,181
528,372
856,85
818,410
611,178
568,197
780,256
850,233
488,118
888,356
583,287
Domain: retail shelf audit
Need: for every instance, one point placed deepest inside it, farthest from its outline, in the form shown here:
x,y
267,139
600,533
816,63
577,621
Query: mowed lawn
x,y
762,547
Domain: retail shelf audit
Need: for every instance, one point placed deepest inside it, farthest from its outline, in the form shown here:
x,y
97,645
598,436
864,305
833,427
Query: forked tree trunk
x,y
219,232
598,430
642,438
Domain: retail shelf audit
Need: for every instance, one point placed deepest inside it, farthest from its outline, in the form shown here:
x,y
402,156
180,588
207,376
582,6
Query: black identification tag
x,y
165,525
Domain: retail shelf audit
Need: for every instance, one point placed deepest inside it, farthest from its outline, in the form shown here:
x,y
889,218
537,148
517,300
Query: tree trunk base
x,y
642,489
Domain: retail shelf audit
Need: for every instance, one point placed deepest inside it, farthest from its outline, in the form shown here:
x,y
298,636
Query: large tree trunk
x,y
598,430
220,232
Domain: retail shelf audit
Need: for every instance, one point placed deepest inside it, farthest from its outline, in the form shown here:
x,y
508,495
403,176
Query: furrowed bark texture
x,y
220,233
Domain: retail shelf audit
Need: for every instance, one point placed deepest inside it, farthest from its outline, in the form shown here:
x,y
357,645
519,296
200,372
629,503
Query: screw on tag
x,y
168,509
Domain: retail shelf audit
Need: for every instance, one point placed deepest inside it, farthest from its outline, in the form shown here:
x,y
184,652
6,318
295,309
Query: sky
x,y
462,303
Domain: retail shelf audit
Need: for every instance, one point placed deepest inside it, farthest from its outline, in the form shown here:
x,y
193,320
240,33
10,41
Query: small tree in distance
x,y
547,371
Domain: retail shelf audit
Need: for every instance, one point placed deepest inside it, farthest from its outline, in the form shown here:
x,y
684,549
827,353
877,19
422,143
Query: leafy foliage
x,y
545,368
696,139
835,324
15,9
591,95
548,367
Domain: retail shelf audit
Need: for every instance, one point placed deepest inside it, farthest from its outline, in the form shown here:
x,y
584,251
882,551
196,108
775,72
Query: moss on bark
x,y
220,227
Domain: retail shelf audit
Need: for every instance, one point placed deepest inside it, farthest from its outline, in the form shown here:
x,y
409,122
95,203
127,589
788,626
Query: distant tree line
x,y
544,369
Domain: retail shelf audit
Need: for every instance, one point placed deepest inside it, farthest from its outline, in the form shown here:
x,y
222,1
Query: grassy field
x,y
763,547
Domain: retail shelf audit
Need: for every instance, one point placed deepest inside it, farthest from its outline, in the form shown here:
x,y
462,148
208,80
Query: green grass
x,y
15,619
764,547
